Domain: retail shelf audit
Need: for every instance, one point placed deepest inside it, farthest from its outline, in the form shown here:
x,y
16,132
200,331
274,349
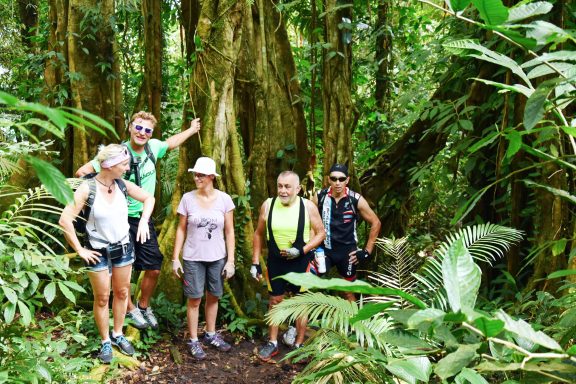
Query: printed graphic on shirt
x,y
205,225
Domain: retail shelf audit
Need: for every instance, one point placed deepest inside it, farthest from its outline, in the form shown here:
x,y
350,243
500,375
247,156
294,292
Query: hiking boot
x,y
150,318
289,337
123,344
196,350
137,319
268,351
217,342
106,353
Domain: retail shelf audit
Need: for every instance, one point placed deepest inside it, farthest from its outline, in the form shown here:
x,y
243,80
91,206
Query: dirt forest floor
x,y
238,366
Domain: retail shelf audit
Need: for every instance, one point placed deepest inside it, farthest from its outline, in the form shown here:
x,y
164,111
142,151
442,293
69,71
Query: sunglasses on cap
x,y
340,179
139,128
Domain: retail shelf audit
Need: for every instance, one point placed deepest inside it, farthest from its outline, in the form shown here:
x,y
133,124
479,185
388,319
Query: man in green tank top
x,y
285,223
145,151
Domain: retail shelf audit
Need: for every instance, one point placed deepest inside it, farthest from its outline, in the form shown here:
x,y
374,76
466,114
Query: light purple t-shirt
x,y
205,227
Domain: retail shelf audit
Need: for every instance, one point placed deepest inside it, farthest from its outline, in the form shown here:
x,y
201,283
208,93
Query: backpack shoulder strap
x,y
122,185
91,196
149,153
354,199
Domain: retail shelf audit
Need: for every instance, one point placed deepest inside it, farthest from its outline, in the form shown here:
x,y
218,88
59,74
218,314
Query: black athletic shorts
x,y
148,255
339,257
279,267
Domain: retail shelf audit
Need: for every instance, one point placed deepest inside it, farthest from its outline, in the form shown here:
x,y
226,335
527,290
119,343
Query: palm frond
x,y
330,311
485,242
398,268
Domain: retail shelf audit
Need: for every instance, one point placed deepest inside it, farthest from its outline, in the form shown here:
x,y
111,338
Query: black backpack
x,y
82,219
135,163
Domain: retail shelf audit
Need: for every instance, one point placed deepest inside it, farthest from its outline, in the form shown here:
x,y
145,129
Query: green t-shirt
x,y
147,171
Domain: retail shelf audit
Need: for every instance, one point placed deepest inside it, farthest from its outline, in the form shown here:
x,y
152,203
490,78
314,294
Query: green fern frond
x,y
330,311
485,242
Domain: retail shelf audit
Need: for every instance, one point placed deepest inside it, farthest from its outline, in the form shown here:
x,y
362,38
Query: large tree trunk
x,y
269,102
212,99
340,114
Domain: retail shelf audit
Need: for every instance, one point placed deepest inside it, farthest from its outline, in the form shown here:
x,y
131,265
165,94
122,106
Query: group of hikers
x,y
120,236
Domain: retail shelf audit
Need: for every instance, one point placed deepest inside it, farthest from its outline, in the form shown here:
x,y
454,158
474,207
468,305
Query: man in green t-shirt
x,y
145,151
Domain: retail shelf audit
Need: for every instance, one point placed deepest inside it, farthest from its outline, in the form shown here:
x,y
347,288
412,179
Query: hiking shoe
x,y
217,342
137,319
123,344
150,318
196,350
289,337
105,354
268,351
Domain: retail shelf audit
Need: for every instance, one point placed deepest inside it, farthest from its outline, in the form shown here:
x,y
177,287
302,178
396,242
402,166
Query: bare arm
x,y
258,239
317,227
229,235
179,138
139,194
70,212
370,217
85,170
180,237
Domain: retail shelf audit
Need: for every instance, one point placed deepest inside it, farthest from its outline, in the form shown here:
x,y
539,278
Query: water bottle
x,y
320,260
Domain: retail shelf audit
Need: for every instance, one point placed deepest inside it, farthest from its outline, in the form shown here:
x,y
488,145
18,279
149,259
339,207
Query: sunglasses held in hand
x,y
148,131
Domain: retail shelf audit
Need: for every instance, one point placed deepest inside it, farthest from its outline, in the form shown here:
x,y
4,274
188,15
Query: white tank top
x,y
108,221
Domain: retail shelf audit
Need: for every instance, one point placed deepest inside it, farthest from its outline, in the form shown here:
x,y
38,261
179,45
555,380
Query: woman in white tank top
x,y
108,247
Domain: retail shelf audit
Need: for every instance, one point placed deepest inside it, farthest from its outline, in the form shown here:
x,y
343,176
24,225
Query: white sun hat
x,y
204,165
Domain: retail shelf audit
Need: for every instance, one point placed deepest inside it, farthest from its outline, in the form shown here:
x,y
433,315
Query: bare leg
x,y
301,324
100,282
147,288
273,329
192,311
121,288
210,311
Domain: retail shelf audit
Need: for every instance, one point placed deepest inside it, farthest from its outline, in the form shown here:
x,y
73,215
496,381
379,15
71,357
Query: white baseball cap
x,y
204,165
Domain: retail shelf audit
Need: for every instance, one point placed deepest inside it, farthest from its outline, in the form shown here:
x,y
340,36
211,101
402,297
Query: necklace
x,y
107,186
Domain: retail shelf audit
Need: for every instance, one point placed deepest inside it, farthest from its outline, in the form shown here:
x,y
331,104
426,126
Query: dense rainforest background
x,y
455,118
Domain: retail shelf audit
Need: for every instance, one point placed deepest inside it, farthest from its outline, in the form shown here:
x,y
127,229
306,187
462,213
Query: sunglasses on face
x,y
340,179
139,128
199,175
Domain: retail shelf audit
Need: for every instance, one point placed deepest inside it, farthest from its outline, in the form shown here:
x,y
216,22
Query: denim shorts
x,y
203,275
106,263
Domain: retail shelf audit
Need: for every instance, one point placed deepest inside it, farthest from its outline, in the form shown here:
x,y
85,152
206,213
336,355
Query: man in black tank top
x,y
340,209
287,249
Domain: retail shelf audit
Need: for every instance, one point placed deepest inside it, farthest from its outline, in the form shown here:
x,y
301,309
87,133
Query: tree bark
x,y
271,113
340,113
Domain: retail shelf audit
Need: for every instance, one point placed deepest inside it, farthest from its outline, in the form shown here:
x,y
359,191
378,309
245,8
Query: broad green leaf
x,y
544,32
486,140
369,310
535,106
551,57
454,362
543,155
10,294
67,292
532,365
50,292
3,376
465,209
555,191
53,179
515,143
461,277
308,280
469,376
493,12
518,88
523,329
459,5
9,312
74,285
8,99
428,315
568,70
489,327
44,373
525,11
26,316
412,369
489,55
559,247
406,341
520,38
561,273
571,351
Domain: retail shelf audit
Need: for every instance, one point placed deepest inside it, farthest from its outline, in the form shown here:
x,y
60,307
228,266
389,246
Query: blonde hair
x,y
144,116
109,151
